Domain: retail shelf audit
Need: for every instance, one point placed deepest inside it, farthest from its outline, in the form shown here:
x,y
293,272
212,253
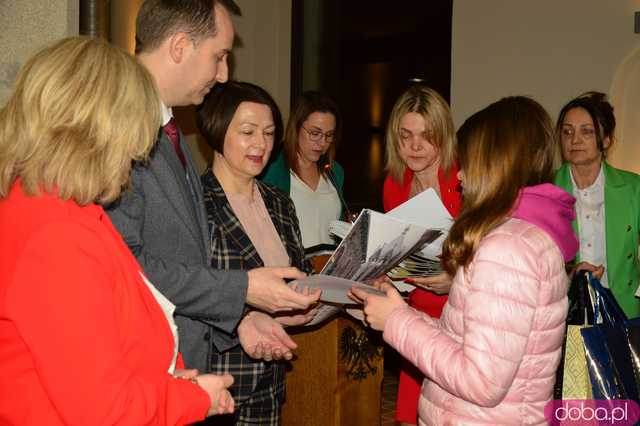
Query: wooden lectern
x,y
336,377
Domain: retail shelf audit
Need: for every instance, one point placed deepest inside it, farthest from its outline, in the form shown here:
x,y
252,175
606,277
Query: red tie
x,y
171,130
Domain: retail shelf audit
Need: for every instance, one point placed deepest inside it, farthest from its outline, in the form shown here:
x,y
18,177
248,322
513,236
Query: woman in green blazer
x,y
305,168
607,199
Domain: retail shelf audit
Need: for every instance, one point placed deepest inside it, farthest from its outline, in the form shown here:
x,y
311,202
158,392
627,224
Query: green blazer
x,y
277,174
622,227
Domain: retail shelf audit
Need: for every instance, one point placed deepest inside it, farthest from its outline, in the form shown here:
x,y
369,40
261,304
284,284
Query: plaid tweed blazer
x,y
231,249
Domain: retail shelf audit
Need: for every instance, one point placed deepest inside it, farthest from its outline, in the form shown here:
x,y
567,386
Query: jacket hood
x,y
551,209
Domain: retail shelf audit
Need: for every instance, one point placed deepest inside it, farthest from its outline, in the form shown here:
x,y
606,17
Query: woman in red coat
x,y
420,155
85,339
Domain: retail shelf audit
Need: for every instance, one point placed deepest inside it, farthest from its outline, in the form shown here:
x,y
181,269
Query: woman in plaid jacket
x,y
252,224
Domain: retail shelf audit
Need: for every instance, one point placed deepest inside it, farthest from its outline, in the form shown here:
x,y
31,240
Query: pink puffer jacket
x,y
491,358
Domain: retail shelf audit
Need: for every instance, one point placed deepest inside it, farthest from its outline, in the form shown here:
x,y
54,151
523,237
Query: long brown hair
x,y
308,103
508,145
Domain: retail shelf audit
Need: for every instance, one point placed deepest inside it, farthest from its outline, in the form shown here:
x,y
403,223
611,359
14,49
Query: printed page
x,y
426,209
375,244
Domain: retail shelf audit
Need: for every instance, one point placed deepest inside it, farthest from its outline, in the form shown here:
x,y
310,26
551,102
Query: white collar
x,y
167,113
597,185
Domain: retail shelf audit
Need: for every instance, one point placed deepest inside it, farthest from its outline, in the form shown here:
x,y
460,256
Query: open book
x,y
375,244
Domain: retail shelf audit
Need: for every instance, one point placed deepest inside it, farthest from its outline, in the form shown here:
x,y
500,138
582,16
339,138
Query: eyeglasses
x,y
317,135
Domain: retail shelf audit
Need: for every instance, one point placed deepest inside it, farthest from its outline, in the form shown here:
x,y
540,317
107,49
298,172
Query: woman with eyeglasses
x,y
608,199
305,168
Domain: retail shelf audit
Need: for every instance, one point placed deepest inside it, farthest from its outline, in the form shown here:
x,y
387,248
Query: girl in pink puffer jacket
x,y
492,356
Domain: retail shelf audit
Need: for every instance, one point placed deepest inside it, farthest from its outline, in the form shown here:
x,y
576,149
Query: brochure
x,y
376,244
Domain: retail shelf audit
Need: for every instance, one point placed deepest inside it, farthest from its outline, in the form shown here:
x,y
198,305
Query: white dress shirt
x,y
590,213
315,209
167,113
168,309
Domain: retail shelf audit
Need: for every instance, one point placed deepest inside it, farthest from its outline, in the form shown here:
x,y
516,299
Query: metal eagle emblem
x,y
358,352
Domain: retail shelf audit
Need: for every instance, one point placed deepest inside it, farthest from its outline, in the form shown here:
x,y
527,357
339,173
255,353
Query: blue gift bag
x,y
612,346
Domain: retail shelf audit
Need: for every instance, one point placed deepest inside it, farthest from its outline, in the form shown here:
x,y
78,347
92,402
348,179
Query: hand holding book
x,y
439,284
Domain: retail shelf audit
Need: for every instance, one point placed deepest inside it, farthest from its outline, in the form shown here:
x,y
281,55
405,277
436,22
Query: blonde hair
x,y
437,116
81,112
508,145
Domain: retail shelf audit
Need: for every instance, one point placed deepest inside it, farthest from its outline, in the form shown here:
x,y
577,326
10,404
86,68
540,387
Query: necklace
x,y
416,187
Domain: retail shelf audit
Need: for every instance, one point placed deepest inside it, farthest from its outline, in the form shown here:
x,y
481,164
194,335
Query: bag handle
x,y
580,310
606,307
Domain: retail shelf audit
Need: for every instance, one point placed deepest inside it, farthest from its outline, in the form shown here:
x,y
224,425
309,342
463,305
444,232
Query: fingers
x,y
586,266
599,272
284,339
227,380
290,320
359,294
425,282
257,352
353,297
186,373
216,387
290,299
596,271
226,404
231,406
440,279
439,284
290,273
268,351
388,288
311,314
280,353
420,282
377,283
277,353
267,290
297,319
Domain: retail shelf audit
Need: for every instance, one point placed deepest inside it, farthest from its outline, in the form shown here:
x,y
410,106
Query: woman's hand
x,y
267,291
596,271
377,309
262,337
379,282
439,284
185,373
219,396
298,317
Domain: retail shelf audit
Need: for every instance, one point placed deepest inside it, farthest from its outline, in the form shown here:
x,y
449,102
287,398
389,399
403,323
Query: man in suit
x,y
184,44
